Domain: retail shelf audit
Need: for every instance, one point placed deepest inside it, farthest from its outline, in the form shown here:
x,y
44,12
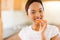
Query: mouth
x,y
37,18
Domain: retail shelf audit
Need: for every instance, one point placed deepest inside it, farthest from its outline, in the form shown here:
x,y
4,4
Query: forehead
x,y
35,5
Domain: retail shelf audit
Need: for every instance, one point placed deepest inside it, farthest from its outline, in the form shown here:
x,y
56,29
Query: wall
x,y
52,12
0,23
13,13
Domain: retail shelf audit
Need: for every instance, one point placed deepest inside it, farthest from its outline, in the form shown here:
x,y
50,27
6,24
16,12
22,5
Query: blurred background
x,y
14,17
0,23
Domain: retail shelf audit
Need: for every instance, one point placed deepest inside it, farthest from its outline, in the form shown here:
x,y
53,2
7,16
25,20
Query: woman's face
x,y
35,11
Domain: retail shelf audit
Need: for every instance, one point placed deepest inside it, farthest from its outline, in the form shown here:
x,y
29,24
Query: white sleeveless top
x,y
29,34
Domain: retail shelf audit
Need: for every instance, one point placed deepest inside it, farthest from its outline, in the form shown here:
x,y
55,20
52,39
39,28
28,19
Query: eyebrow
x,y
32,10
39,9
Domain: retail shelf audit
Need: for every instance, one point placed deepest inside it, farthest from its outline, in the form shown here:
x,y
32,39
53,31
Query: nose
x,y
38,15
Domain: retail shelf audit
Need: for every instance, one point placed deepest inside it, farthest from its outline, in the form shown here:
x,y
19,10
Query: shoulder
x,y
24,31
53,30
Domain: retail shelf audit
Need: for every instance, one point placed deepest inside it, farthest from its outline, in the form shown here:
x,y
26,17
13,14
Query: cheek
x,y
32,17
42,15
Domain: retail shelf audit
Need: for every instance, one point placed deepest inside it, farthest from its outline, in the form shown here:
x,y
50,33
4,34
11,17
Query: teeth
x,y
37,18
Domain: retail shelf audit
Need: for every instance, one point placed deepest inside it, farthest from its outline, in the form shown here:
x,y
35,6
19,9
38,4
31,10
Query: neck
x,y
35,27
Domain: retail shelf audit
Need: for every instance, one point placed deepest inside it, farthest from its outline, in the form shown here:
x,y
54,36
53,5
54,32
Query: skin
x,y
35,12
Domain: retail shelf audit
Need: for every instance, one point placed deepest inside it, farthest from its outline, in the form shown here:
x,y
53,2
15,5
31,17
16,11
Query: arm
x,y
55,38
42,36
19,38
42,29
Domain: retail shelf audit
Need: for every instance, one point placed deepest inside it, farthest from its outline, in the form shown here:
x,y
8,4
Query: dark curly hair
x,y
30,2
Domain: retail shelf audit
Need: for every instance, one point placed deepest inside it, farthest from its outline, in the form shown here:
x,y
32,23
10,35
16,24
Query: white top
x,y
29,34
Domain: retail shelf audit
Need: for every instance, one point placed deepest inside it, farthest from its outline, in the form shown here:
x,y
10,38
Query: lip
x,y
37,18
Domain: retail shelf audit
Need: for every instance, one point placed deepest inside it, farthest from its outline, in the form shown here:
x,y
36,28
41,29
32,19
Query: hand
x,y
42,24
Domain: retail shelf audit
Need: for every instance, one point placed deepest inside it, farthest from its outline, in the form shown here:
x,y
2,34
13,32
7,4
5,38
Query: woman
x,y
39,30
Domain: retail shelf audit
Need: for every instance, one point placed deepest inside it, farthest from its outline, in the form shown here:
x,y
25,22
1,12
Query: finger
x,y
44,27
43,22
40,27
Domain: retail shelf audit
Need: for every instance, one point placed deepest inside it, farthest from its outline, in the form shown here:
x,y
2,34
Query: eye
x,y
33,12
40,11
